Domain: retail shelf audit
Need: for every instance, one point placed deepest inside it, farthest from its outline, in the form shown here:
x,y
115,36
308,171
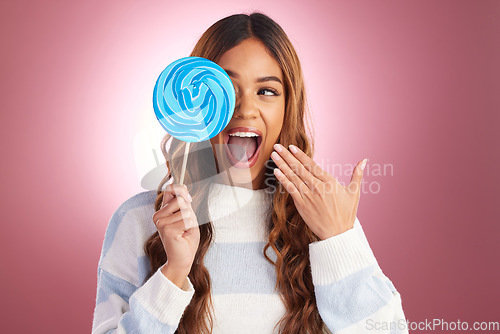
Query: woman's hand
x,y
178,229
327,207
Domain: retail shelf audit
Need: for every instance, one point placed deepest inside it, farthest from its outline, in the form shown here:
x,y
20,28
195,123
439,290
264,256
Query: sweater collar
x,y
226,200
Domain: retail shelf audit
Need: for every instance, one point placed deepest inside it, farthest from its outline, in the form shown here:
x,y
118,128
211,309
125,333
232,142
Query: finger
x,y
186,218
309,164
171,206
295,165
161,221
174,229
289,186
357,174
172,190
175,204
291,176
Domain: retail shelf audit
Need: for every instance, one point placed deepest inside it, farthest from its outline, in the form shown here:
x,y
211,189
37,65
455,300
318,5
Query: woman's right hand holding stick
x,y
179,232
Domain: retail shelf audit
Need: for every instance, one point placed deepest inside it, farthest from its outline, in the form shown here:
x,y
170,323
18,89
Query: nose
x,y
245,106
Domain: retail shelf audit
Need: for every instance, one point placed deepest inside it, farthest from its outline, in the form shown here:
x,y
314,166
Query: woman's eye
x,y
269,92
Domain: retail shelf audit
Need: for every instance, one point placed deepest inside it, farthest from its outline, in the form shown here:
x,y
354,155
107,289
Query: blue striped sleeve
x,y
352,293
124,304
155,307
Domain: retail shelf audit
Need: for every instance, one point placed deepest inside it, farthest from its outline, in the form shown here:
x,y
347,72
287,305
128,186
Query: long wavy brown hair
x,y
289,235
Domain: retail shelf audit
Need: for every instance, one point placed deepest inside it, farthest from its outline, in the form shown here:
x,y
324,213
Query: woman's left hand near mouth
x,y
326,206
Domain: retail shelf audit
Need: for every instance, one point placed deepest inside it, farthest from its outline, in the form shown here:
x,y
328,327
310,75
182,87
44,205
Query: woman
x,y
261,240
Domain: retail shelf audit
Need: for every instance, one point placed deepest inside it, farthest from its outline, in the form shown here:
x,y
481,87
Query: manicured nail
x,y
275,156
277,147
277,172
293,149
190,198
363,164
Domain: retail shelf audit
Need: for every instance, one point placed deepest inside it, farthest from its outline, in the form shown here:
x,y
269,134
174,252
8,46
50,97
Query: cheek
x,y
274,124
217,139
216,142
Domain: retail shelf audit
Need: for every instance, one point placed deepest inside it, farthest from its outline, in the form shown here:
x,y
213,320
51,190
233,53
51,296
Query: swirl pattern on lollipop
x,y
193,99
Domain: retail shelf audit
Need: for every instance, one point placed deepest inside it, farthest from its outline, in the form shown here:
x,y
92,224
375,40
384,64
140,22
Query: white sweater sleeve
x,y
352,293
155,307
124,304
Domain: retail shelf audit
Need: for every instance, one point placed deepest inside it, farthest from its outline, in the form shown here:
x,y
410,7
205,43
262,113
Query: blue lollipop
x,y
193,100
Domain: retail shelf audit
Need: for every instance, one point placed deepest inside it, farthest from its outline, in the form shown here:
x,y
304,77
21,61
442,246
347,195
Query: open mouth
x,y
242,146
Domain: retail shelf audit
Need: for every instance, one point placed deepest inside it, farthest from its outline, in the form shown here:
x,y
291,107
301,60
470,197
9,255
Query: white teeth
x,y
244,134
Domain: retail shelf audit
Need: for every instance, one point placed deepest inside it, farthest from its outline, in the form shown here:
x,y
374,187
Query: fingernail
x,y
293,149
190,198
363,164
277,147
275,156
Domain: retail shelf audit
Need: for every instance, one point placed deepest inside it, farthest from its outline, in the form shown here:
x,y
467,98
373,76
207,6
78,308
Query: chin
x,y
244,175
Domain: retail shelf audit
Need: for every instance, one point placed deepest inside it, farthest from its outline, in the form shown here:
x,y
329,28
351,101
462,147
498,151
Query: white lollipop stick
x,y
184,163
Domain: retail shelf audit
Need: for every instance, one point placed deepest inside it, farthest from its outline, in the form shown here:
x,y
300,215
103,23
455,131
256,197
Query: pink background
x,y
413,84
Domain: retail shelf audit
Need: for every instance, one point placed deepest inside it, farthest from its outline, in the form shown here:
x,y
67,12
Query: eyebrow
x,y
262,79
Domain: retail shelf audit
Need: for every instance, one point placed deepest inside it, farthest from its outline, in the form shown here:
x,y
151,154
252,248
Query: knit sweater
x,y
352,294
